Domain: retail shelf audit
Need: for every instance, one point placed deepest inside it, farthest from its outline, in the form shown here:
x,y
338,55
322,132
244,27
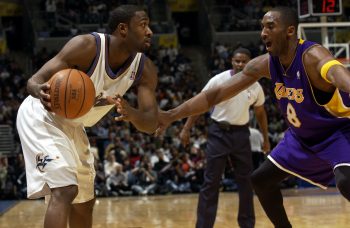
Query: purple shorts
x,y
316,163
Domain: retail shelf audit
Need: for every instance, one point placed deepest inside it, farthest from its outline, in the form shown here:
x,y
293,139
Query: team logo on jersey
x,y
132,76
42,160
290,93
298,74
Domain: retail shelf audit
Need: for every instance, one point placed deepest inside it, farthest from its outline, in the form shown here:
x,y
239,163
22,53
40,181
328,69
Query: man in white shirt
x,y
228,138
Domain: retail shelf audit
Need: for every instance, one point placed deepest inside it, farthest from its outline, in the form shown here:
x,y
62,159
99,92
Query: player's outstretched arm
x,y
202,102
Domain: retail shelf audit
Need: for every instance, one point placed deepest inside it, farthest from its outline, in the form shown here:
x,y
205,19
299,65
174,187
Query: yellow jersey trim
x,y
301,41
336,106
325,68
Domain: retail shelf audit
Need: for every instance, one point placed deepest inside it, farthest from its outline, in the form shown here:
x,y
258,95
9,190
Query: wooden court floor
x,y
306,208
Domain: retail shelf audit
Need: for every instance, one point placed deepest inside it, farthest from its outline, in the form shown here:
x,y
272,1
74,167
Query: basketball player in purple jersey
x,y
312,89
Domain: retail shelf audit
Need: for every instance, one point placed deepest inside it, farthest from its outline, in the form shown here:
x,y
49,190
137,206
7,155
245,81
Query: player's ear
x,y
123,29
291,30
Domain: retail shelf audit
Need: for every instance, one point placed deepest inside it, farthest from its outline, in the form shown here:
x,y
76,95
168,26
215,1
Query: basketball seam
x,y
82,103
65,94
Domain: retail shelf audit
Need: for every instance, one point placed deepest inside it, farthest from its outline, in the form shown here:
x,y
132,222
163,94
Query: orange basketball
x,y
72,93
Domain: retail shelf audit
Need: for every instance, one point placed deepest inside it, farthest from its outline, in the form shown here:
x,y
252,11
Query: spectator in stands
x,y
100,181
110,166
117,184
50,7
74,30
144,178
3,173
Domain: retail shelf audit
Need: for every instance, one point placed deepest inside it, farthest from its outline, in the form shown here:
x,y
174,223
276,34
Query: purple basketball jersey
x,y
311,121
318,138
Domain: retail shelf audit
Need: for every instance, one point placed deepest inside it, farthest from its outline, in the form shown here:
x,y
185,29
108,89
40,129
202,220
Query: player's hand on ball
x,y
44,95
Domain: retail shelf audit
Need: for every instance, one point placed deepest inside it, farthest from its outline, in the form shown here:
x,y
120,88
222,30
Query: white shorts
x,y
56,152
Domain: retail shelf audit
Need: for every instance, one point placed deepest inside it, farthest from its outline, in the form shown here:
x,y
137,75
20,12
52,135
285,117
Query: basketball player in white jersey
x,y
56,150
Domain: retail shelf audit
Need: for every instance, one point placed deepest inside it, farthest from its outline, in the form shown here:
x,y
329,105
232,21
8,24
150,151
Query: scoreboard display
x,y
308,8
326,7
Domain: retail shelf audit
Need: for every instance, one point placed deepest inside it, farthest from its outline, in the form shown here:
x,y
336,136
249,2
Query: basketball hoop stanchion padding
x,y
345,62
341,46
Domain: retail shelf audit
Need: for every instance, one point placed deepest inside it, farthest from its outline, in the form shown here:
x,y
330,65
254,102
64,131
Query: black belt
x,y
229,127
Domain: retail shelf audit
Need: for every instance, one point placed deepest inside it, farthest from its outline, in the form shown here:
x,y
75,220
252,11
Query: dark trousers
x,y
258,159
224,143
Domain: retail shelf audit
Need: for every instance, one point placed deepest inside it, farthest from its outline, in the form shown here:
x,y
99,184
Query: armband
x,y
325,68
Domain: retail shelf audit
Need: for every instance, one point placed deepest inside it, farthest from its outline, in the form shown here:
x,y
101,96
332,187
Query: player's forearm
x,y
194,106
203,101
340,77
145,121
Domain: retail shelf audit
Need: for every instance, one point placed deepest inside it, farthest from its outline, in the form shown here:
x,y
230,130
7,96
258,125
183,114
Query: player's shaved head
x,y
289,16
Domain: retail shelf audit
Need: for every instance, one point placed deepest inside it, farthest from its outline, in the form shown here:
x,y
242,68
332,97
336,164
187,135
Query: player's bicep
x,y
325,71
318,57
49,69
77,53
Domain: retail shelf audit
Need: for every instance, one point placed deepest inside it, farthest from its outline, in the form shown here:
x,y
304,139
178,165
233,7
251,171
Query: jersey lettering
x,y
290,93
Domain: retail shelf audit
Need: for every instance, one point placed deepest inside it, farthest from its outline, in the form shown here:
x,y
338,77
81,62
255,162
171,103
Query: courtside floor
x,y
308,207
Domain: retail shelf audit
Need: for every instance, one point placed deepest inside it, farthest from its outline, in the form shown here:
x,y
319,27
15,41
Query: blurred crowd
x,y
66,17
128,162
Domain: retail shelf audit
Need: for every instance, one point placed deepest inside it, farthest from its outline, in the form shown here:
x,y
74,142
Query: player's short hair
x,y
122,14
289,16
242,50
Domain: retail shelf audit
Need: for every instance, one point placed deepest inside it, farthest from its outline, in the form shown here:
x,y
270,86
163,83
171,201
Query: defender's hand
x,y
164,120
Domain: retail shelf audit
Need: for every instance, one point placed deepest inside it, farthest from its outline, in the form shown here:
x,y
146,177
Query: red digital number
x,y
328,6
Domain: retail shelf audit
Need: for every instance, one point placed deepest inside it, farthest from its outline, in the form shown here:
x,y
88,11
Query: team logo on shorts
x,y
41,161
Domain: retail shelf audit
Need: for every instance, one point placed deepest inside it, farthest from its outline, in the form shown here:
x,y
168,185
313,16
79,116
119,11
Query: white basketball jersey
x,y
108,83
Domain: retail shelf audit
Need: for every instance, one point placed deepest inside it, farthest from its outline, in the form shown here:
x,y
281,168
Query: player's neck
x,y
287,57
118,52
